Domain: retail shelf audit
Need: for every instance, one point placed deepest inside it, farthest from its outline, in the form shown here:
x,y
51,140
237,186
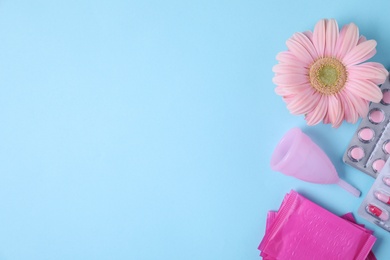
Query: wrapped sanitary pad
x,y
303,230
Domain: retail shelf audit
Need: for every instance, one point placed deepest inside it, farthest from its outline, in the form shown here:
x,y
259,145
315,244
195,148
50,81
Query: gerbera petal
x,y
340,40
306,43
375,64
288,57
332,34
290,79
291,90
361,39
318,113
299,51
288,98
326,119
360,104
282,68
350,112
372,71
363,107
335,110
364,89
348,38
360,53
319,37
303,102
282,91
309,35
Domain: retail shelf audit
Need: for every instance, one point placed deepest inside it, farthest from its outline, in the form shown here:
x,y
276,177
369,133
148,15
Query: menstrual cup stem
x,y
348,187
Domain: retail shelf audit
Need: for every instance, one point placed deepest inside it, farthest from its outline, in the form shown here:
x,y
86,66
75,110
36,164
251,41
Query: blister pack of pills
x,y
369,148
376,205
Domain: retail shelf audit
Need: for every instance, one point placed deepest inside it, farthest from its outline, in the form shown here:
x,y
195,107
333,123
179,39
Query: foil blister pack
x,y
376,205
369,148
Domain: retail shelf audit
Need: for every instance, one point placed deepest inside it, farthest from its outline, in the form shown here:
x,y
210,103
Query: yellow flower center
x,y
327,75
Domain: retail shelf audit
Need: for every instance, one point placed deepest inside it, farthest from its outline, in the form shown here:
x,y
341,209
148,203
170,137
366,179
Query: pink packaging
x,y
351,218
303,230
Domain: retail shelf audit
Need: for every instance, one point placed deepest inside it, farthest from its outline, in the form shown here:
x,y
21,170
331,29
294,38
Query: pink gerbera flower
x,y
322,75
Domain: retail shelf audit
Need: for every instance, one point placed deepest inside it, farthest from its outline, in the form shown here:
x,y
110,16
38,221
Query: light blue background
x,y
144,129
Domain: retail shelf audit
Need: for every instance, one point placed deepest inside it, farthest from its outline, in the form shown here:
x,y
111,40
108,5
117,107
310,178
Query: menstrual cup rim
x,y
278,165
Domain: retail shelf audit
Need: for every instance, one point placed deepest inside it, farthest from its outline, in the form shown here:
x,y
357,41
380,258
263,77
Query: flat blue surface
x,y
144,129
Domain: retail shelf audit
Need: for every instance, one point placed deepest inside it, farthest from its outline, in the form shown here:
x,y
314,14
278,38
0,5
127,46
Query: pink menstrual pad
x,y
351,218
348,216
303,230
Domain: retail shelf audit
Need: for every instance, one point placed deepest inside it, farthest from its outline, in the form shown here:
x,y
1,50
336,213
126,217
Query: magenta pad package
x,y
376,205
370,146
303,230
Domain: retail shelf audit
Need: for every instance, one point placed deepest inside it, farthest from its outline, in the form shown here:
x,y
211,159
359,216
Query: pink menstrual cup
x,y
298,156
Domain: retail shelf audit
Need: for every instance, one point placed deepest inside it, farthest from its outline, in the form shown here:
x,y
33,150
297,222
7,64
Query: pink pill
x,y
366,134
386,147
382,197
386,180
378,165
376,116
386,97
378,212
356,153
